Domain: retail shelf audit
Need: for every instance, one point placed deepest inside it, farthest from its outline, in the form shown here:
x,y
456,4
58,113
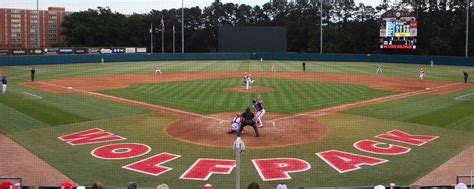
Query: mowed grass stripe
x,y
207,96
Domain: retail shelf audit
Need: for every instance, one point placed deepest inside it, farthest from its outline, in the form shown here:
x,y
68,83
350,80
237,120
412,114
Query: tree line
x,y
347,27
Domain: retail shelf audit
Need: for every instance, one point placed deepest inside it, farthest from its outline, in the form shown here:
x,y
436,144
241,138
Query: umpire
x,y
248,120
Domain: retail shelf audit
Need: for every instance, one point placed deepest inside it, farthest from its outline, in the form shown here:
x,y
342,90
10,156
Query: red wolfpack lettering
x,y
399,136
202,169
345,162
152,165
278,168
120,151
371,146
90,136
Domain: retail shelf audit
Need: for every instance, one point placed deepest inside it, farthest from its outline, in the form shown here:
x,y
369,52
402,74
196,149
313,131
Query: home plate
x,y
69,87
427,88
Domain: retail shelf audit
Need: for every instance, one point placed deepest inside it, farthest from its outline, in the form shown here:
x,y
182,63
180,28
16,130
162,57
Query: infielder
x,y
4,84
235,124
432,63
273,68
102,60
379,69
422,74
157,70
258,105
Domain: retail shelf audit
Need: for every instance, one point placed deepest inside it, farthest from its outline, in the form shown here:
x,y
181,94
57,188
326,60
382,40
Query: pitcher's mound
x,y
251,90
286,132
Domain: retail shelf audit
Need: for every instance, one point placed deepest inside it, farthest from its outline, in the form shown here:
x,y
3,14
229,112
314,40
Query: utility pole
x,y
151,36
467,28
182,26
38,43
321,27
174,40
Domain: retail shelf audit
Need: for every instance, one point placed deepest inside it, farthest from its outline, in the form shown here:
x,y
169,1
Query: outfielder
x,y
157,70
379,69
273,68
422,74
235,124
258,105
4,84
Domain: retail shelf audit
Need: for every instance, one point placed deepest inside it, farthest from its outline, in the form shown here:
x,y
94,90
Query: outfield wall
x,y
71,59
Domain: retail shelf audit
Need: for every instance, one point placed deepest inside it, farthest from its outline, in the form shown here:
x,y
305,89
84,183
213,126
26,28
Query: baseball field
x,y
335,124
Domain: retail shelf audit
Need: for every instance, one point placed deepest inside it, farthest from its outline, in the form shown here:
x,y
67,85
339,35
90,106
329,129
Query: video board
x,y
398,30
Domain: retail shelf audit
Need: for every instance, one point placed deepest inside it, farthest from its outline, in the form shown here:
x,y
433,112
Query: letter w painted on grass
x,y
90,136
400,136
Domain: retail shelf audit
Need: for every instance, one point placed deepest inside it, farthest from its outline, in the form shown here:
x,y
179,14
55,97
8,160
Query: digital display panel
x,y
398,30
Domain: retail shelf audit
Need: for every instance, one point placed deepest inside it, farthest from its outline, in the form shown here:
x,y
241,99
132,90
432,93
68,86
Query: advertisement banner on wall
x,y
118,50
35,51
51,51
19,51
130,50
94,51
141,50
80,51
106,51
4,52
65,51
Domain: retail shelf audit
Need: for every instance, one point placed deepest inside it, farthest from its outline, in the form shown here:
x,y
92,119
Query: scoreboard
x,y
398,30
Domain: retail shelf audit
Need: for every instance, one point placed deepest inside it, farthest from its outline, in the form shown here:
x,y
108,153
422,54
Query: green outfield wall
x,y
71,59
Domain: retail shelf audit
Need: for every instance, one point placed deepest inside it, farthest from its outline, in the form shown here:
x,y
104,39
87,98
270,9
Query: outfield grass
x,y
36,123
438,72
208,96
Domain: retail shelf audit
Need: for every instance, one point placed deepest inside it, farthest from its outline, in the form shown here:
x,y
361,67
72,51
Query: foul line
x,y
330,110
36,96
132,101
460,97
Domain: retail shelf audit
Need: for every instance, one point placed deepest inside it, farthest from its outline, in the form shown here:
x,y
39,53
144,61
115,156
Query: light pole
x,y
182,26
321,27
37,25
467,28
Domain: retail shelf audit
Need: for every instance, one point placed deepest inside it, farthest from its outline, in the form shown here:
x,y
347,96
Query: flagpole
x,y
182,26
151,36
174,40
467,28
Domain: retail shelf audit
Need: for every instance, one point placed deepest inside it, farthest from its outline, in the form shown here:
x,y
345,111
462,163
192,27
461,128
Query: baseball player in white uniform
x,y
248,80
235,124
422,74
379,69
157,70
273,68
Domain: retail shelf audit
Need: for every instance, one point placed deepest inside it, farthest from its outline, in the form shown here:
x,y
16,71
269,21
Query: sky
x,y
130,6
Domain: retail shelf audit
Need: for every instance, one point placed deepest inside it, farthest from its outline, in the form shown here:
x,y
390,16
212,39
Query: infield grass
x,y
208,96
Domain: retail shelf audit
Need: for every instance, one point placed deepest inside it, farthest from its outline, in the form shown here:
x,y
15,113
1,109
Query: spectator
x,y
282,186
208,186
253,185
66,185
163,186
7,185
97,185
132,185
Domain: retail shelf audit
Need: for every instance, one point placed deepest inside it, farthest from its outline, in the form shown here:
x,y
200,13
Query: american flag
x,y
162,23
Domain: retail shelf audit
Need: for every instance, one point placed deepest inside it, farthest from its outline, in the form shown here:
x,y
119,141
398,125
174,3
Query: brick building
x,y
19,27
